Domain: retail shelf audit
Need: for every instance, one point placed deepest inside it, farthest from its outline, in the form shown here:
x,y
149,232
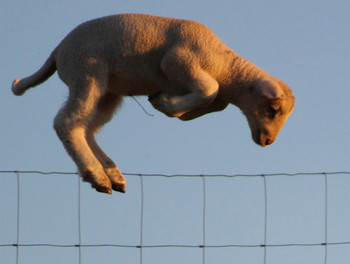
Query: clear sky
x,y
304,43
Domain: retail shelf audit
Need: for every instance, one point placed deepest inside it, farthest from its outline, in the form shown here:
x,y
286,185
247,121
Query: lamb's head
x,y
267,105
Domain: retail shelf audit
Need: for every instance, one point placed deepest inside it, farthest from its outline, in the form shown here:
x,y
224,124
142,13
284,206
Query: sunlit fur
x,y
181,65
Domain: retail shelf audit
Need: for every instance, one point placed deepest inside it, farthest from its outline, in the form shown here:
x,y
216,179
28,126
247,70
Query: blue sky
x,y
305,43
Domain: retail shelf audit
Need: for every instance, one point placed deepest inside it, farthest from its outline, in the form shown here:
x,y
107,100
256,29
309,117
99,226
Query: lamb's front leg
x,y
175,106
202,90
215,106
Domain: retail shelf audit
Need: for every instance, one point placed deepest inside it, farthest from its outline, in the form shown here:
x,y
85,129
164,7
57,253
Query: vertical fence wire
x,y
141,218
204,218
265,219
79,219
18,216
326,218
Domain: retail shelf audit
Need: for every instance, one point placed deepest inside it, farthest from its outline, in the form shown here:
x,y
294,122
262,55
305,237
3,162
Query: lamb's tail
x,y
20,86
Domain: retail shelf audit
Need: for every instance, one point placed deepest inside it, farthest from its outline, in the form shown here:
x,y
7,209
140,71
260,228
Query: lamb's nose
x,y
268,141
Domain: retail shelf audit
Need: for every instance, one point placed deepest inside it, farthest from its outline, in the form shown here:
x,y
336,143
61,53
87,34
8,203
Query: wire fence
x,y
204,245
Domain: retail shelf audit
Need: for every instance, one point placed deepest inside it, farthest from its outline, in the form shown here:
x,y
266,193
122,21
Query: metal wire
x,y
204,244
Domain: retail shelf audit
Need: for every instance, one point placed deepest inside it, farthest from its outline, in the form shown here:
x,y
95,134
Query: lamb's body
x,y
182,65
135,48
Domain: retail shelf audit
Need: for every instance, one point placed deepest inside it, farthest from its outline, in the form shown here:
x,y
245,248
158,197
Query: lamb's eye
x,y
272,111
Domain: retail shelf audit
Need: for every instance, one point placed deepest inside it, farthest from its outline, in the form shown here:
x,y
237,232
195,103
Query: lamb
x,y
182,66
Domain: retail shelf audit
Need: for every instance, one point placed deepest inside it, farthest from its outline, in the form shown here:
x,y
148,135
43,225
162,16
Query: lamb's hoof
x,y
152,97
101,184
103,189
119,187
117,179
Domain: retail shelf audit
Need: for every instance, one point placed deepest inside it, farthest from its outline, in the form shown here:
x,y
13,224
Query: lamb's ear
x,y
270,89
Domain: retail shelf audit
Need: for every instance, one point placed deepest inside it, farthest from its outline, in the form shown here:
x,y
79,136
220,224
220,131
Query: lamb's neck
x,y
240,79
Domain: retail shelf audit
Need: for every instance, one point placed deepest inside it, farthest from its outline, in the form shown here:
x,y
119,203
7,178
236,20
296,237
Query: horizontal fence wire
x,y
178,245
184,175
204,244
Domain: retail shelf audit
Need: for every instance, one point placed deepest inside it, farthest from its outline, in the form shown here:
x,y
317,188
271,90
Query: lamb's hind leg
x,y
104,112
71,125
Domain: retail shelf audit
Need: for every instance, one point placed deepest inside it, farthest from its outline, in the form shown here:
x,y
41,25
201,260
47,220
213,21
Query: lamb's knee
x,y
65,127
58,125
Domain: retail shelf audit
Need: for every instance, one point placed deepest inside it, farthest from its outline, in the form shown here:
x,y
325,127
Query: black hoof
x,y
119,187
103,189
153,96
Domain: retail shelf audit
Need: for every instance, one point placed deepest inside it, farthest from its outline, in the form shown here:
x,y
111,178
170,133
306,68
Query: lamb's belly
x,y
127,86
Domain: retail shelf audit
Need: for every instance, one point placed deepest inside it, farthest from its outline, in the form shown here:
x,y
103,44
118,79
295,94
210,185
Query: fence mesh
x,y
205,244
